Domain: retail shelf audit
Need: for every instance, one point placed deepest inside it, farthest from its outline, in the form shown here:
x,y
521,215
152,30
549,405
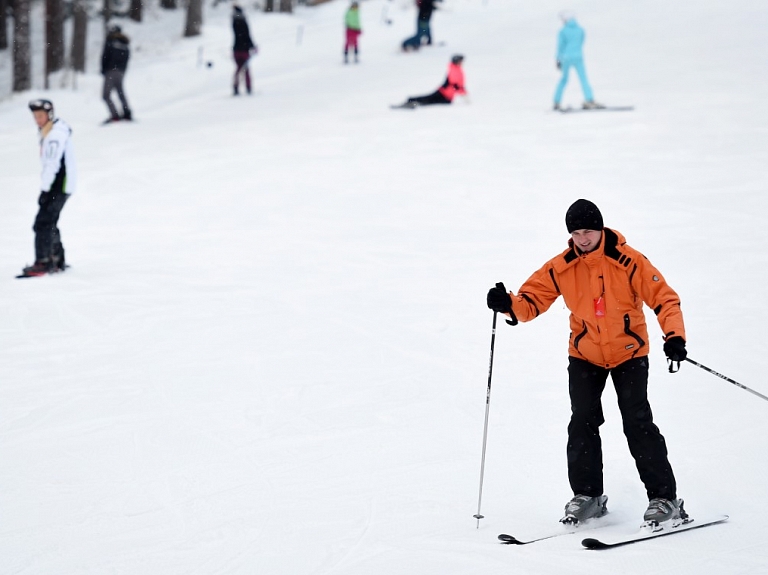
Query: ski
x,y
405,106
570,110
645,534
566,529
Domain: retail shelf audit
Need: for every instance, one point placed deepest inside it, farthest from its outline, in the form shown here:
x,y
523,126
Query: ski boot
x,y
592,105
583,507
663,513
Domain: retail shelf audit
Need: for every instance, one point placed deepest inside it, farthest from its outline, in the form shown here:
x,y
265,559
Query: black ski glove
x,y
674,348
498,299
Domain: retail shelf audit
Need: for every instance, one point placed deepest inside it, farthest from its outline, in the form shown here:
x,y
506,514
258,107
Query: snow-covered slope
x,y
270,354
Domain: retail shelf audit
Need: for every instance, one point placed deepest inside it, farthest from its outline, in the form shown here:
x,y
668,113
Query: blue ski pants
x,y
578,65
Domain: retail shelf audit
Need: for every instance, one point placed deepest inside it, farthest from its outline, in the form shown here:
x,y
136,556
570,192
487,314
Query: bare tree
x,y
168,4
54,37
286,5
80,29
194,23
135,10
107,12
269,6
22,74
3,26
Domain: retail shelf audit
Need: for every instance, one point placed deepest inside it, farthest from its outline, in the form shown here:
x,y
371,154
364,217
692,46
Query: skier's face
x,y
41,117
586,240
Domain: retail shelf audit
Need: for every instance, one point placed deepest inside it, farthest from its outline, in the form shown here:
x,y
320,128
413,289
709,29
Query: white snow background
x,y
270,355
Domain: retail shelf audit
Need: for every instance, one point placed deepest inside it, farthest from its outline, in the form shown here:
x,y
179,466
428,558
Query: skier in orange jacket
x,y
604,283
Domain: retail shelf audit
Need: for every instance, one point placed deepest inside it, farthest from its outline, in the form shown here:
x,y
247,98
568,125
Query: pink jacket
x,y
454,83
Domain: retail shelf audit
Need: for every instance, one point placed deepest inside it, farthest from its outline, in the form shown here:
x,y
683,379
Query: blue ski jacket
x,y
570,41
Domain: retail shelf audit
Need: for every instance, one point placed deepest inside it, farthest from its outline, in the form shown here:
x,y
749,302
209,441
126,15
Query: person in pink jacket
x,y
453,85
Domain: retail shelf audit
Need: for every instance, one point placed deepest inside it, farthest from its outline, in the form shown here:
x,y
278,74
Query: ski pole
x,y
728,379
485,427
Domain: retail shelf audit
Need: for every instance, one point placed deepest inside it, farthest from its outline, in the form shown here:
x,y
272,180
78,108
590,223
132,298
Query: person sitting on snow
x,y
453,85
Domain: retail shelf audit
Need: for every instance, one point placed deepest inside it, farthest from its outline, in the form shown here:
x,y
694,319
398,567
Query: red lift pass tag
x,y
600,307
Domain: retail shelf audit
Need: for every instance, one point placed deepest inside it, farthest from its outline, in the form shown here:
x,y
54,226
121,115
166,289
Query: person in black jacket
x,y
423,30
242,49
114,61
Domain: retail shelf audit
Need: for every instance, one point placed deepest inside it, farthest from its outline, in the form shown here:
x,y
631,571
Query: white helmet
x,y
45,105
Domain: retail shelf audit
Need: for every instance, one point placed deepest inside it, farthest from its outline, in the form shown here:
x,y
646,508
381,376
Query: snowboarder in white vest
x,y
57,182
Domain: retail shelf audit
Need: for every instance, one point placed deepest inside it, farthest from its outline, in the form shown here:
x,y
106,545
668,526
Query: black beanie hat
x,y
583,215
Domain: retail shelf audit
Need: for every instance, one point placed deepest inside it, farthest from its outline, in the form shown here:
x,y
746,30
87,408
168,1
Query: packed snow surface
x,y
271,352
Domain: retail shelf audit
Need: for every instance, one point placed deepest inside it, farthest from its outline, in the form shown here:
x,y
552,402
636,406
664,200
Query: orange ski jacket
x,y
604,291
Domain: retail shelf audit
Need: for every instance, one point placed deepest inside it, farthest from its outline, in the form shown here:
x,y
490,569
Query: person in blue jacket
x,y
570,41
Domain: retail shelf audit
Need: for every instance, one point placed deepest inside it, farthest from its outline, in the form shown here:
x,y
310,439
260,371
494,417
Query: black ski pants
x,y
586,383
48,245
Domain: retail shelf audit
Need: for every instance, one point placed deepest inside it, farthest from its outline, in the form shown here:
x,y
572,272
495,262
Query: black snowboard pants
x,y
48,245
433,98
113,80
586,383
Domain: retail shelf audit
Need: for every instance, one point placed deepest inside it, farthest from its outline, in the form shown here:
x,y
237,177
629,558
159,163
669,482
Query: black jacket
x,y
426,7
116,53
243,42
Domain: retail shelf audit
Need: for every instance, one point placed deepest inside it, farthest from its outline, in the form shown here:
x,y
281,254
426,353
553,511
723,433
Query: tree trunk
x,y
3,26
80,29
54,37
22,75
135,11
269,6
194,23
107,13
286,5
168,4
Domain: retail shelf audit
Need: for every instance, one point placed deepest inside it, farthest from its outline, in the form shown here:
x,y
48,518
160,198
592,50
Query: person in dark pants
x,y
114,62
453,85
423,26
58,181
604,283
242,49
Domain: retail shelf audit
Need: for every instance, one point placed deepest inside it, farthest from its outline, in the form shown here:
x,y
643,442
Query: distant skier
x,y
354,29
242,49
570,41
423,26
114,62
58,180
453,85
604,283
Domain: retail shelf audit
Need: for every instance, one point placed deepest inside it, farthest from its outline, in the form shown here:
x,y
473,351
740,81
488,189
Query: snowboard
x,y
405,106
110,121
23,275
